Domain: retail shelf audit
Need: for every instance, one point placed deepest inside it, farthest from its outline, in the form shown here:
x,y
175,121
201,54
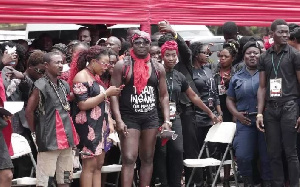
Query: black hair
x,y
79,61
60,47
125,46
196,48
20,50
83,29
164,38
154,44
47,56
277,22
295,35
232,47
239,55
230,28
35,58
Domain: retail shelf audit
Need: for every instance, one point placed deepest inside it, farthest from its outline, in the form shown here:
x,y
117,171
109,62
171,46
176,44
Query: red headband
x,y
140,34
169,45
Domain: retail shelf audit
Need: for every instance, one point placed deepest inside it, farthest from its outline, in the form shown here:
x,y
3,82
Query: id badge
x,y
222,89
276,87
172,111
210,102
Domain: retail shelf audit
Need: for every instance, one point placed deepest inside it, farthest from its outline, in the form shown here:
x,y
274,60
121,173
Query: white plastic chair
x,y
221,133
21,148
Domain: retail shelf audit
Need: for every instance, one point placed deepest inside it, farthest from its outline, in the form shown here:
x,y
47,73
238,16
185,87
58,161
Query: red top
x,y
7,131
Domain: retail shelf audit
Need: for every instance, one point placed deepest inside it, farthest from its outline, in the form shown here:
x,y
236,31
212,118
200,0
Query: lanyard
x,y
222,75
170,86
276,70
210,84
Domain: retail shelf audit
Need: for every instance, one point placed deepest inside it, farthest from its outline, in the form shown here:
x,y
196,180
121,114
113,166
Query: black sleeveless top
x,y
144,104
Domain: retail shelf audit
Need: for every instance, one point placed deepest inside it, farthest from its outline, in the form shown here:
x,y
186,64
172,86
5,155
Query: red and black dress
x,y
91,125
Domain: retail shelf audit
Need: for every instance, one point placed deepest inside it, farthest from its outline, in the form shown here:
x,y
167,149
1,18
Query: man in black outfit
x,y
279,73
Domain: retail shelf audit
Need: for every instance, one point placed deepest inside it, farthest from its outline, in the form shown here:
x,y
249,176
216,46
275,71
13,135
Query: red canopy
x,y
208,12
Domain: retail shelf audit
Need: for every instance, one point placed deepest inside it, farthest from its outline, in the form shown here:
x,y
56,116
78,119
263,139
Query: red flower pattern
x,y
86,150
91,134
81,117
79,89
96,113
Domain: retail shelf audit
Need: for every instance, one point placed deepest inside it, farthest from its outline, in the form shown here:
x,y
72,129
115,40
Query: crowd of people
x,y
78,93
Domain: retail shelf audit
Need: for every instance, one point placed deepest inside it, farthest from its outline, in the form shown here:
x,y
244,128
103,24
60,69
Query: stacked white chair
x,y
21,148
221,133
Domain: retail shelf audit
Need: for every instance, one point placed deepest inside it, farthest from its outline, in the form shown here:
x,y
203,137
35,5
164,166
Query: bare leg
x,y
97,172
146,151
88,169
129,152
5,178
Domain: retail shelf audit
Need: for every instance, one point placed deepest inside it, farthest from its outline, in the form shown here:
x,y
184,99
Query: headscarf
x,y
169,45
140,68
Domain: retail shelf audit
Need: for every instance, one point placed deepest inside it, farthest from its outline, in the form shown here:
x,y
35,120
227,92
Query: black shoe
x,y
226,183
248,181
267,184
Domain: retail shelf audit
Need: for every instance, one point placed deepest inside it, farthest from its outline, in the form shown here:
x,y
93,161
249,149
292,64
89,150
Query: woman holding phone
x,y
170,157
92,118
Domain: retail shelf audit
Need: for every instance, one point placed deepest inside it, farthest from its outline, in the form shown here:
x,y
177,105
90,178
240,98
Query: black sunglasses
x,y
39,71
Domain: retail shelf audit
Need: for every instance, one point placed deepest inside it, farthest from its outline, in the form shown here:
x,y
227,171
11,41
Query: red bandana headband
x,y
140,34
169,45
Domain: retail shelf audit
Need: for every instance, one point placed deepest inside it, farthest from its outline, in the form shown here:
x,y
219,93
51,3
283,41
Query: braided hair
x,y
232,47
80,60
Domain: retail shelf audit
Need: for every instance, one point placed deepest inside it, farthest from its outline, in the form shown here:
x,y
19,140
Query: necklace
x,y
66,105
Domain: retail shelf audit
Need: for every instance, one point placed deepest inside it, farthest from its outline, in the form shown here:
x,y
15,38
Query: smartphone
x,y
162,23
216,47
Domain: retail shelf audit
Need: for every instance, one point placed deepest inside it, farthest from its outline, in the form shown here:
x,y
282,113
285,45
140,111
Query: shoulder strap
x,y
126,68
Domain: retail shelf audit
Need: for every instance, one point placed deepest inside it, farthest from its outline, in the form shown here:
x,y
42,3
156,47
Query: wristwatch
x,y
169,123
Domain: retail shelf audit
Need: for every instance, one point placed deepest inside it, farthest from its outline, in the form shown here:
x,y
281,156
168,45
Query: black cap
x,y
251,44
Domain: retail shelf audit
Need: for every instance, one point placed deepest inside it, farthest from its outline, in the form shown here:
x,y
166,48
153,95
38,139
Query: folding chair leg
x,y
221,165
190,179
233,167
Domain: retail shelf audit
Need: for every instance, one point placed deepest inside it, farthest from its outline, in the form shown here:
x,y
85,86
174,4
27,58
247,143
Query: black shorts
x,y
141,122
5,161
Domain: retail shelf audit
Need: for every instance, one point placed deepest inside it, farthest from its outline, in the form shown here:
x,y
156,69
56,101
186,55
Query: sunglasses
x,y
39,71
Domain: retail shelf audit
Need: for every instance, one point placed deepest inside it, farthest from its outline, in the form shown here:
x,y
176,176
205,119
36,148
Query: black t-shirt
x,y
176,84
289,65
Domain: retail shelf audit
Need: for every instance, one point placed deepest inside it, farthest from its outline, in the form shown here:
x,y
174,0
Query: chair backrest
x,y
20,146
223,133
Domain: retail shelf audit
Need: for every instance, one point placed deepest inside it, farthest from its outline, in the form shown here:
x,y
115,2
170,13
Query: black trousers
x,y
193,139
168,159
280,121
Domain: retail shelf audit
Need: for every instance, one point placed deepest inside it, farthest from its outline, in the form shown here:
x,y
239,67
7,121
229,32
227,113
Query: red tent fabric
x,y
208,12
